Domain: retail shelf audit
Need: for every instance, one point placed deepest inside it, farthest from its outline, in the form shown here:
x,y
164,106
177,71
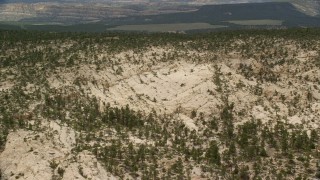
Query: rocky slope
x,y
110,106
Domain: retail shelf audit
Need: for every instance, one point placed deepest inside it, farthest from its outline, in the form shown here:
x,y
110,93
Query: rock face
x,y
25,157
47,155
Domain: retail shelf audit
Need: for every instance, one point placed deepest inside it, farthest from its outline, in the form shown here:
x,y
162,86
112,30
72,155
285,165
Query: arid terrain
x,y
229,105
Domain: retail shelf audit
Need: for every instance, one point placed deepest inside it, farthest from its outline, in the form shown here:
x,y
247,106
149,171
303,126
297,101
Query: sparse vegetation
x,y
254,118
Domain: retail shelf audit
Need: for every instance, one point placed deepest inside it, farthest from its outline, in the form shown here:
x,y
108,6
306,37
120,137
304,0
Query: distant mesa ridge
x,y
217,14
253,10
102,18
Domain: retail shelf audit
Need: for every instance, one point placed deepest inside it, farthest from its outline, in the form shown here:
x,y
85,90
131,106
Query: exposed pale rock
x,y
31,155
